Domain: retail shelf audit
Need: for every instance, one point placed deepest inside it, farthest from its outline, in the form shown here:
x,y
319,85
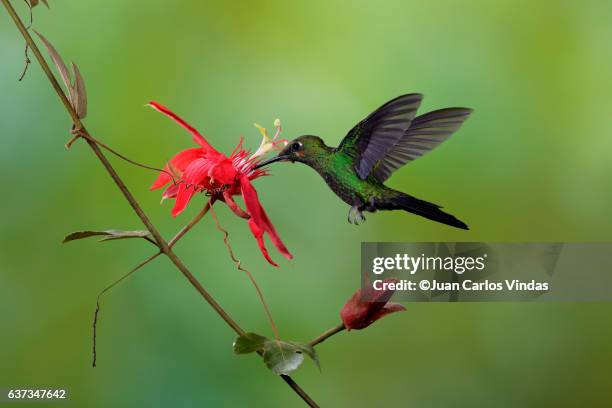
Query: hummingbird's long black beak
x,y
272,160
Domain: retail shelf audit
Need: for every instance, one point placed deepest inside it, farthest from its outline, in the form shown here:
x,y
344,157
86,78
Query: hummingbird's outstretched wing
x,y
425,133
370,140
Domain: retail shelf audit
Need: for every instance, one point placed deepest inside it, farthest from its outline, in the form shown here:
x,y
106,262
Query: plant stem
x,y
192,223
162,244
327,334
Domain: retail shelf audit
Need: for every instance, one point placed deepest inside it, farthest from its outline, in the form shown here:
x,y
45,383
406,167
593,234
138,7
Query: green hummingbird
x,y
384,141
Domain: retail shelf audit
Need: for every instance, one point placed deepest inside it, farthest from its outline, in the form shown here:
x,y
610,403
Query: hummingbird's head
x,y
304,149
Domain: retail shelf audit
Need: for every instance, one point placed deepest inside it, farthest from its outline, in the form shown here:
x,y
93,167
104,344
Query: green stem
x,y
326,334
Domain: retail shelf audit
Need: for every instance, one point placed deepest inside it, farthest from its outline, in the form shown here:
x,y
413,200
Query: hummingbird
x,y
372,150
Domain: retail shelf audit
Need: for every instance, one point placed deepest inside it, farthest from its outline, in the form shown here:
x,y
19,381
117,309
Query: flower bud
x,y
363,309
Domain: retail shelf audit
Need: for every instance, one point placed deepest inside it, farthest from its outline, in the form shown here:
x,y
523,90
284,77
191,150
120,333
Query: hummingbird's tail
x,y
402,201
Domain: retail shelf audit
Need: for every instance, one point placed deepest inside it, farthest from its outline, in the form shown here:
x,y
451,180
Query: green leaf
x,y
280,356
283,357
310,352
249,343
109,235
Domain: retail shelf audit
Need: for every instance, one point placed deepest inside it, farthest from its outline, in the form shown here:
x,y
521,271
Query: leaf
x,y
108,235
283,357
280,356
249,343
59,63
34,3
310,352
118,234
79,93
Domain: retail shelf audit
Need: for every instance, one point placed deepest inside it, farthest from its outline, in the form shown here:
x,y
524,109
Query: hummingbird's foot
x,y
355,216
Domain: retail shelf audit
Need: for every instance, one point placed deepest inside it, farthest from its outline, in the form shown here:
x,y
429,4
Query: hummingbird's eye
x,y
295,146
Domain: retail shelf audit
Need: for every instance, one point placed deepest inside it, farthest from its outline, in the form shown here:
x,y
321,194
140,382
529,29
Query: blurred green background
x,y
533,163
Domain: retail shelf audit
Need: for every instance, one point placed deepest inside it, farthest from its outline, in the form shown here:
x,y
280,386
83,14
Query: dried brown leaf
x,y
34,3
79,93
71,96
59,63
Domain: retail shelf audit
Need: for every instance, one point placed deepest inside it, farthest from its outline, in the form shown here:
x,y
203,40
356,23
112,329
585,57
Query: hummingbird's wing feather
x,y
425,133
370,140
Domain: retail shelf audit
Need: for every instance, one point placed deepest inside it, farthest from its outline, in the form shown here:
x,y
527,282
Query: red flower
x,y
204,169
359,314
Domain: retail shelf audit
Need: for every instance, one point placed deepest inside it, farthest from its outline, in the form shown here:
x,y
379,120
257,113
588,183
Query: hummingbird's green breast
x,y
338,171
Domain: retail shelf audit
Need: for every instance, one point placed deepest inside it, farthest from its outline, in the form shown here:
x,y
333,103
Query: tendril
x,y
239,266
27,48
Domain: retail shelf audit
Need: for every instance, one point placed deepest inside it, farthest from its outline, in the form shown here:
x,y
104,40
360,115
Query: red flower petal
x,y
229,200
197,137
194,178
276,241
387,309
380,297
160,181
182,199
260,219
180,162
258,234
222,171
171,191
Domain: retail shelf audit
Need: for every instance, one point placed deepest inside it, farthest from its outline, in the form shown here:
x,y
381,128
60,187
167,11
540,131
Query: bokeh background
x,y
533,163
